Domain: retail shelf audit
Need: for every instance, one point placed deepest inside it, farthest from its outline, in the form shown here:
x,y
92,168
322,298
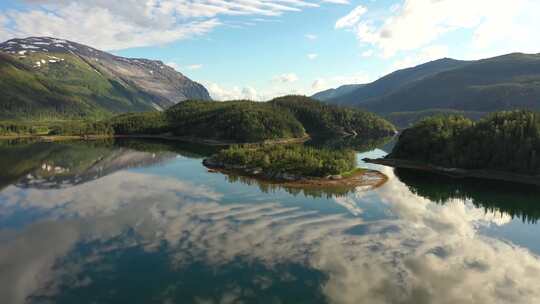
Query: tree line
x,y
291,159
505,141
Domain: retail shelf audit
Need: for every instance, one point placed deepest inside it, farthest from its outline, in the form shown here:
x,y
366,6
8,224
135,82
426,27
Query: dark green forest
x,y
240,121
517,200
330,120
504,141
230,121
290,159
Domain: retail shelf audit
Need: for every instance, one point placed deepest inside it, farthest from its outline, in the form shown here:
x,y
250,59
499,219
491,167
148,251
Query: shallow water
x,y
145,222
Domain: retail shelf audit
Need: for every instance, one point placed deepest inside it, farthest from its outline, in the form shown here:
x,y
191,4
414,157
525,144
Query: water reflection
x,y
268,187
521,201
356,143
37,164
174,233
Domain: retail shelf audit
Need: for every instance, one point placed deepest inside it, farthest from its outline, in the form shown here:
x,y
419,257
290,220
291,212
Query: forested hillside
x,y
337,92
501,83
504,141
240,121
328,120
474,88
389,83
290,117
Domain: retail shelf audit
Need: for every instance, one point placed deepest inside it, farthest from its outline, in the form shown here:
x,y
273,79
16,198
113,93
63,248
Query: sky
x,y
259,49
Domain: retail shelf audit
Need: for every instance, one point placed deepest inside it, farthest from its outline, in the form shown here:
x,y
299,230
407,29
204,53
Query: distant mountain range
x,y
337,92
43,76
500,83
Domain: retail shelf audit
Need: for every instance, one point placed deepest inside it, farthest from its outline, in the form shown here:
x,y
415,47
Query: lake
x,y
145,222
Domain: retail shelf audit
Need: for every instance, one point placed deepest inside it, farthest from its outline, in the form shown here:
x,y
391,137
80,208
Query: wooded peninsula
x,y
502,146
241,121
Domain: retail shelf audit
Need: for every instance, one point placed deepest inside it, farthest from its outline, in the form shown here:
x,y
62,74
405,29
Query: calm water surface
x,y
145,222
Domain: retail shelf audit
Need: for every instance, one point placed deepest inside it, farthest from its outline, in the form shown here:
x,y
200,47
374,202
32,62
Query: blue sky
x,y
260,49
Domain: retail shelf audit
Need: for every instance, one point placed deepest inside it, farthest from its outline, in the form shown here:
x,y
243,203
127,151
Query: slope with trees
x,y
390,82
474,88
290,118
322,120
46,78
503,141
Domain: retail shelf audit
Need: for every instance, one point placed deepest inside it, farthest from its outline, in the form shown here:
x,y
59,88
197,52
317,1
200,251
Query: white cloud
x,y
420,252
179,68
337,1
114,25
501,26
286,78
218,92
367,53
194,66
424,55
174,65
311,36
281,85
319,84
312,56
352,18
324,83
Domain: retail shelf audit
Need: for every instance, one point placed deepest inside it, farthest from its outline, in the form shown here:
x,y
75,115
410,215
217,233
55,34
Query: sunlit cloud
x,y
496,26
113,25
286,78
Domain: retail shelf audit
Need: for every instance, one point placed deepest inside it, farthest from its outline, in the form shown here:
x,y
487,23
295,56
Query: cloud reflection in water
x,y
424,253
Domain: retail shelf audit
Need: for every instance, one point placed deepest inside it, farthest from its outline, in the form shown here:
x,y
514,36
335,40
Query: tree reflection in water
x,y
516,200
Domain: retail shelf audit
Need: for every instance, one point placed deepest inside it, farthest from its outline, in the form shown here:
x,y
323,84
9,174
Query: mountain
x,y
501,83
360,93
335,93
43,76
46,165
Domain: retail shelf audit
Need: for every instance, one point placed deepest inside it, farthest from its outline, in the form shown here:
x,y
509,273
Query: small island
x,y
295,166
503,146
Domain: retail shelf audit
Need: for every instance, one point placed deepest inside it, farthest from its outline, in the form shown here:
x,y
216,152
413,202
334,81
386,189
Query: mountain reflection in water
x,y
171,232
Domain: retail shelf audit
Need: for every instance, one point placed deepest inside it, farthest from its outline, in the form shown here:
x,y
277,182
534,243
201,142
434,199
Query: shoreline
x,y
210,142
458,172
356,178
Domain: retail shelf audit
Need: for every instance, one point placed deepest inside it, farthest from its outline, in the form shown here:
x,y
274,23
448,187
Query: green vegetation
x,y
504,141
326,120
240,121
59,127
289,159
139,123
519,201
319,191
237,121
71,88
22,157
390,83
501,83
506,82
354,143
403,120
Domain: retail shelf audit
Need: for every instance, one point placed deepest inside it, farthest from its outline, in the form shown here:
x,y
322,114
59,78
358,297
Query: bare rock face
x,y
164,85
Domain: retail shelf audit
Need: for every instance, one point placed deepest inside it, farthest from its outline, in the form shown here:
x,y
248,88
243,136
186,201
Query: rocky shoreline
x,y
457,172
359,177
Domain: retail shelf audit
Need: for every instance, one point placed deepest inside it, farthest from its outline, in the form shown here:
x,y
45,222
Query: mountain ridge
x,y
506,82
395,80
65,76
